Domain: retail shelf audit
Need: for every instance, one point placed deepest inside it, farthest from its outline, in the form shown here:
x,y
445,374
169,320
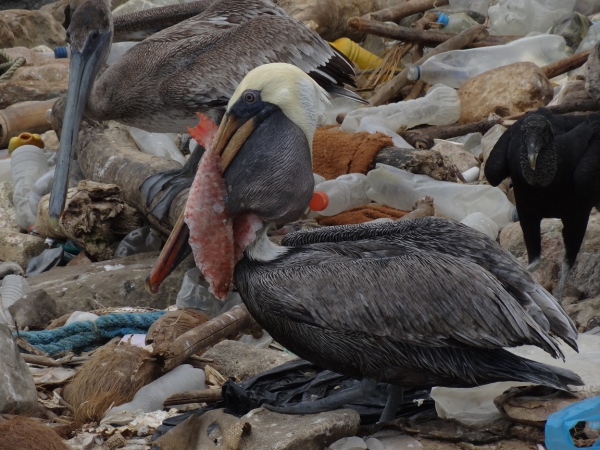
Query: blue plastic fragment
x,y
559,423
443,19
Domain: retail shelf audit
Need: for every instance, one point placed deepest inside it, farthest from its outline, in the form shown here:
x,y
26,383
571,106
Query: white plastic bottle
x,y
157,144
29,163
400,189
440,106
335,196
519,17
455,67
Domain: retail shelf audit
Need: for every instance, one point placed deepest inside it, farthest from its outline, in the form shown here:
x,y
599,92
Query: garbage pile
x,y
443,99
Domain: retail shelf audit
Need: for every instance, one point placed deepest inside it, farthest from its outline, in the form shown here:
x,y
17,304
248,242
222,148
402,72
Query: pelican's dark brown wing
x,y
460,241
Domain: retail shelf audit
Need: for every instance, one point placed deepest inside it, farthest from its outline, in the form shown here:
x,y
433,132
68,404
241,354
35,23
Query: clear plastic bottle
x,y
480,6
194,294
400,189
335,196
519,17
480,222
142,240
29,163
150,397
157,144
440,106
457,22
591,38
41,187
573,27
455,67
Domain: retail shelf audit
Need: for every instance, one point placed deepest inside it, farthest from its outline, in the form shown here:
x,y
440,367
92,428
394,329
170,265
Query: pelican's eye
x,y
95,34
249,97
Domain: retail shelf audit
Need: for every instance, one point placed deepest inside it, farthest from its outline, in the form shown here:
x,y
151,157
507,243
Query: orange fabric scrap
x,y
338,152
362,214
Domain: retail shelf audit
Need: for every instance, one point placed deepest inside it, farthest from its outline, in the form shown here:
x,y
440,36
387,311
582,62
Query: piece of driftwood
x,y
422,138
201,396
95,215
565,65
107,154
579,105
393,87
429,38
592,76
397,12
172,354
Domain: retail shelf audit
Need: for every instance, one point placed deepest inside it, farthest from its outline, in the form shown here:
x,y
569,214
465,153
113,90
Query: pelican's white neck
x,y
262,249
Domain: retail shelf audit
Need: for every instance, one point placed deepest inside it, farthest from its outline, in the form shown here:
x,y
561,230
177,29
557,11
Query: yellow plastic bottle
x,y
25,139
364,59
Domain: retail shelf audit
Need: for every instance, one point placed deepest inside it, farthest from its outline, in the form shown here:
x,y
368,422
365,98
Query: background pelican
x,y
191,67
426,302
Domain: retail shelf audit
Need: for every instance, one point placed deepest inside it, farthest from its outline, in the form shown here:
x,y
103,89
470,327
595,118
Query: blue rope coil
x,y
85,335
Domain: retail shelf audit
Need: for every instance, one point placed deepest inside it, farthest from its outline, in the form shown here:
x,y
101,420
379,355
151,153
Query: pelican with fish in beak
x,y
420,303
194,66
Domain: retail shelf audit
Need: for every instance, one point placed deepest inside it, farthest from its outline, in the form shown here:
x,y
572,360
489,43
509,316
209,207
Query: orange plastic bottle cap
x,y
319,201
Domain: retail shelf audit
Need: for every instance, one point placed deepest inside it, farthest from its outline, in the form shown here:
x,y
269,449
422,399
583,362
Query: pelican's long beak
x,y
230,137
83,69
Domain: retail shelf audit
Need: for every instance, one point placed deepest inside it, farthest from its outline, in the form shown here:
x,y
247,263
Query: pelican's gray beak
x,y
83,68
533,149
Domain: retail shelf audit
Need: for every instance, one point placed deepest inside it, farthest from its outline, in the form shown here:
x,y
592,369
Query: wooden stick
x,y
580,105
415,91
565,65
395,13
202,396
427,38
423,137
172,354
392,88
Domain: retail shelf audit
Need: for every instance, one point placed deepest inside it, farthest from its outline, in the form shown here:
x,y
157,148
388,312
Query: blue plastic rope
x,y
85,335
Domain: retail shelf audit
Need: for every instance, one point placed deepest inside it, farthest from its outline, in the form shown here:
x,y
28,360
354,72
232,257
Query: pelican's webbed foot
x,y
172,182
334,401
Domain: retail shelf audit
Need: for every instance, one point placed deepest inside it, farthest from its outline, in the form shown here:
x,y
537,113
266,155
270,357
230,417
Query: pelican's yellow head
x,y
300,98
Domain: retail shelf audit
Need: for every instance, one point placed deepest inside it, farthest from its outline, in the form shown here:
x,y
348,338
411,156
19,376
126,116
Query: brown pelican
x,y
191,67
427,302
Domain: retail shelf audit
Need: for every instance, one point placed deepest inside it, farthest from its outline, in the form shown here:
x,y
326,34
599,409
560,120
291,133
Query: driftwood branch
x,y
395,13
202,396
427,38
172,354
392,88
108,154
423,137
566,65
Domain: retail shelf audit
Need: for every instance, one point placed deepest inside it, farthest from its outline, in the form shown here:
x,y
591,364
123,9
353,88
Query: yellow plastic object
x,y
25,139
364,59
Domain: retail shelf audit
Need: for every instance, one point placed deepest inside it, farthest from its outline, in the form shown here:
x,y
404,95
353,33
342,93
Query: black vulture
x,y
554,165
